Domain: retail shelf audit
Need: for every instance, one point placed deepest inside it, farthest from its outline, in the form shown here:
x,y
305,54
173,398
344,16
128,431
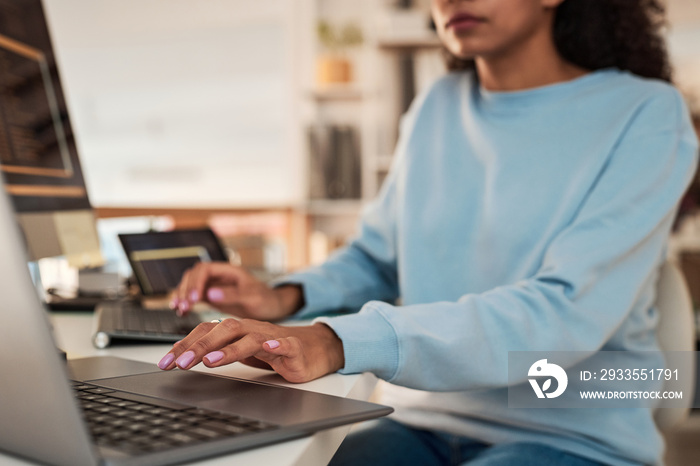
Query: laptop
x,y
158,260
107,410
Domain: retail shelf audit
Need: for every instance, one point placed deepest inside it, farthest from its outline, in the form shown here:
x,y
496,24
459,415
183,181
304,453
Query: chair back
x,y
676,332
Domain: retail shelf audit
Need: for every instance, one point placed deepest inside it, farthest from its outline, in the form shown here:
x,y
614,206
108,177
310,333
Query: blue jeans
x,y
391,443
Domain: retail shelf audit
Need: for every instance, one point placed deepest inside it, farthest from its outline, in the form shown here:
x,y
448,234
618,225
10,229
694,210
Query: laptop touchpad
x,y
279,405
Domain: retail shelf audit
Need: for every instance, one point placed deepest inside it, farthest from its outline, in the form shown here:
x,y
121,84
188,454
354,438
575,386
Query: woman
x,y
527,209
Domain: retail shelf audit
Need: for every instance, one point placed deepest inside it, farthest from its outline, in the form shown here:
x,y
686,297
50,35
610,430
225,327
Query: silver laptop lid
x,y
38,415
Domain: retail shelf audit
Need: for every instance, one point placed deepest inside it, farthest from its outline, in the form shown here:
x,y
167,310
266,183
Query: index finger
x,y
181,294
168,361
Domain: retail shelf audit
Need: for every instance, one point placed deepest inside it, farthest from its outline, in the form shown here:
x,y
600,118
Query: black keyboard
x,y
153,321
136,424
127,320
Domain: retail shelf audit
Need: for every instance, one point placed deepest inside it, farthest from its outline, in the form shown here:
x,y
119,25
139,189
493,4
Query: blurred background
x,y
273,121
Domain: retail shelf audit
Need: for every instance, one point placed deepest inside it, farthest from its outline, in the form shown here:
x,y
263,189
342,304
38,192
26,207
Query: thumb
x,y
286,357
289,347
227,299
221,294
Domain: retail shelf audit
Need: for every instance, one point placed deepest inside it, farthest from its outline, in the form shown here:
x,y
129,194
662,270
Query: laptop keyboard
x,y
124,421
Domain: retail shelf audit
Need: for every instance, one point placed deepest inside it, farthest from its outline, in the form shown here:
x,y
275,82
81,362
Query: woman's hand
x,y
233,290
298,354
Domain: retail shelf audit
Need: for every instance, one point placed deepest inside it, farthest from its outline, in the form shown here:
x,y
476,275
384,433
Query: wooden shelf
x,y
337,92
332,207
418,42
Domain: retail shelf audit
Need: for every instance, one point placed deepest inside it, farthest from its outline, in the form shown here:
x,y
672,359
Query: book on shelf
x,y
335,166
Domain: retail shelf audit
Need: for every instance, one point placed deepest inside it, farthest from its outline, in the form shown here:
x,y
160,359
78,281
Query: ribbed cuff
x,y
369,341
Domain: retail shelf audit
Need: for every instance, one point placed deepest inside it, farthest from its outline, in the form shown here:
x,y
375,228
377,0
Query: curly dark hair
x,y
596,34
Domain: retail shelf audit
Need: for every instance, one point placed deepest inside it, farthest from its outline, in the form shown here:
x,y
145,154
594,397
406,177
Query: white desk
x,y
73,332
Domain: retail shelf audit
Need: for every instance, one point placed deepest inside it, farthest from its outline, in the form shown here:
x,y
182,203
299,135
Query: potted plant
x,y
334,65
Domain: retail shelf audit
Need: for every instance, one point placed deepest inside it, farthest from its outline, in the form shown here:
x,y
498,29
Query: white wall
x,y
181,102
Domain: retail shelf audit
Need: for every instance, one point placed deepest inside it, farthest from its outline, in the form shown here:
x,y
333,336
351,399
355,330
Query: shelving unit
x,y
372,102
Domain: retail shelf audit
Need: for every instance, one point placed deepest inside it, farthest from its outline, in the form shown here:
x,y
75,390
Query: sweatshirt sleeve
x,y
594,273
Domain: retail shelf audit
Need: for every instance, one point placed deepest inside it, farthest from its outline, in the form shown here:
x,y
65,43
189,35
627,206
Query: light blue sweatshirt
x,y
528,220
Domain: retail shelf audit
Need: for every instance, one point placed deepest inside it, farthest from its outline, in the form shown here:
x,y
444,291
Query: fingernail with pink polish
x,y
194,296
185,359
215,294
183,307
272,344
166,361
174,303
214,357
